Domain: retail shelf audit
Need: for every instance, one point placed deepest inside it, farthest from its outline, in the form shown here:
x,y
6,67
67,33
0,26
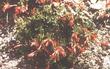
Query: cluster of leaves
x,y
53,32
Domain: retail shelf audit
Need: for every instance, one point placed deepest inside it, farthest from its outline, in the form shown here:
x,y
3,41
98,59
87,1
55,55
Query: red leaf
x,y
54,57
74,50
35,43
30,55
17,46
63,18
57,1
107,3
69,49
46,42
82,50
41,1
94,36
105,43
61,51
17,10
71,23
7,6
75,37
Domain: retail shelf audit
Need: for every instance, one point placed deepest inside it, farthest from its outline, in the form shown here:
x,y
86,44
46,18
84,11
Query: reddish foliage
x,y
81,49
107,3
41,1
69,49
71,22
75,37
20,9
30,55
54,57
105,43
6,6
63,18
17,46
94,36
17,10
59,52
35,43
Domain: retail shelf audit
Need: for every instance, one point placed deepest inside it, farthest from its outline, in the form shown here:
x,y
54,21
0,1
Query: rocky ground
x,y
5,60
